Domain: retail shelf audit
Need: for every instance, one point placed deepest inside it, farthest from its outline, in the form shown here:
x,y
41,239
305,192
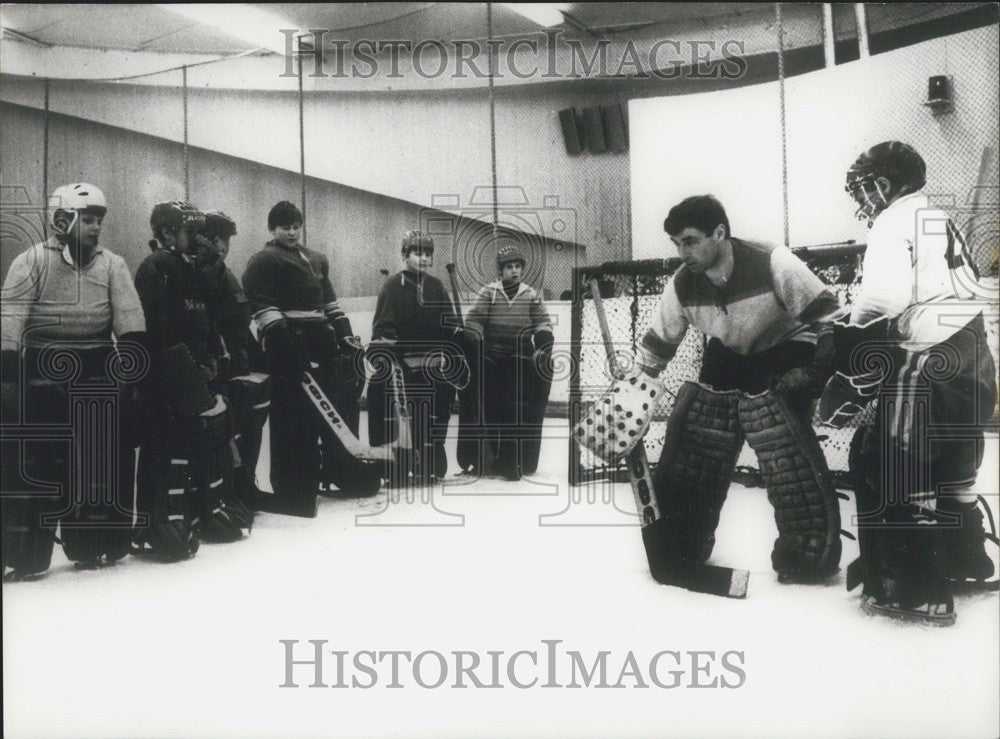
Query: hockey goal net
x,y
631,293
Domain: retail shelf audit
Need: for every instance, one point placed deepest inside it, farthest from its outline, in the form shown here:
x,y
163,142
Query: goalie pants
x,y
514,400
79,477
428,401
925,448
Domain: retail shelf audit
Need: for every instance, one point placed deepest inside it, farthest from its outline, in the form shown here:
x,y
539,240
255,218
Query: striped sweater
x,y
292,284
763,296
507,324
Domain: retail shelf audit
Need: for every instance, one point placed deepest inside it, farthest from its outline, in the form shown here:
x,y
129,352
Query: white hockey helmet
x,y
74,199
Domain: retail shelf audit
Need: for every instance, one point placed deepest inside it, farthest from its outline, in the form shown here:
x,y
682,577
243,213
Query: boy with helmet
x,y
510,319
64,299
918,521
185,473
416,320
301,327
242,370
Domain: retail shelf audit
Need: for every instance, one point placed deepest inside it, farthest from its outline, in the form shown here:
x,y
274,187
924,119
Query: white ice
x,y
191,649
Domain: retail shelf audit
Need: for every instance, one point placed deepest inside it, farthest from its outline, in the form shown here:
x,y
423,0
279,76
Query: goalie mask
x,y
883,173
68,201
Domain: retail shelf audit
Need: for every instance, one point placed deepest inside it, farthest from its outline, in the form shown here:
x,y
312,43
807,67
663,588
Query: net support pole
x,y
187,155
862,20
302,138
45,161
780,28
493,119
829,46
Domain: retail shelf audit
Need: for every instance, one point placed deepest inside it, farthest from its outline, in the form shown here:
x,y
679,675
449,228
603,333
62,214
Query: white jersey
x,y
916,271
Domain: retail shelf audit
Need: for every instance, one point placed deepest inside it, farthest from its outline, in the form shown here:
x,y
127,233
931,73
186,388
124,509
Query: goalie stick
x,y
356,447
468,449
699,578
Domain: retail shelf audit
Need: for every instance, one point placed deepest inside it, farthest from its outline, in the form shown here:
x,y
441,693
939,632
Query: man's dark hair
x,y
703,212
284,214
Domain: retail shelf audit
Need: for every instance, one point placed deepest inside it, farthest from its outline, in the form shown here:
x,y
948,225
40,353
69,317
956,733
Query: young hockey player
x,y
64,299
301,328
763,362
185,462
247,386
516,333
416,319
913,468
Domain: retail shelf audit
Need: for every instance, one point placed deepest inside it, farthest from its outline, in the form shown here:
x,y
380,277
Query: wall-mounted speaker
x,y
615,130
593,130
571,132
939,94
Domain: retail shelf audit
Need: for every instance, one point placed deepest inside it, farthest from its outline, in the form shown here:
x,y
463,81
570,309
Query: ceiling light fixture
x,y
544,14
245,22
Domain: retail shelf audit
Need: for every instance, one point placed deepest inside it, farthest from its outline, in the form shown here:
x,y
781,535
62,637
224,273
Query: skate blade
x,y
934,617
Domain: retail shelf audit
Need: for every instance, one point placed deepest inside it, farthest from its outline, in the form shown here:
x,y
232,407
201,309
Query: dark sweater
x,y
292,284
415,309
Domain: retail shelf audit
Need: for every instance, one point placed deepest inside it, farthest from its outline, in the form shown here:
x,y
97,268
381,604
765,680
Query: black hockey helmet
x,y
173,215
898,163
218,223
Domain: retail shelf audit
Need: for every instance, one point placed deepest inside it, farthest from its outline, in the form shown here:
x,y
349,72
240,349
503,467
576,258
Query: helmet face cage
x,y
864,187
894,161
72,200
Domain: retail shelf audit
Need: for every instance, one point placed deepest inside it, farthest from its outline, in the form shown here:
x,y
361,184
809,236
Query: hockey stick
x,y
356,447
699,578
454,291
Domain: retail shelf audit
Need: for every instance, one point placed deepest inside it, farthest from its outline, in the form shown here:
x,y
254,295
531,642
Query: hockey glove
x,y
455,370
285,349
541,360
351,345
617,421
809,380
844,397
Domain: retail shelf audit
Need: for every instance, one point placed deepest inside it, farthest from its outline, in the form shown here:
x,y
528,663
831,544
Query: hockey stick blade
x,y
668,569
356,447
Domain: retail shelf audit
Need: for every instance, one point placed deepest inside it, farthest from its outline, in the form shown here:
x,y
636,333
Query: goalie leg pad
x,y
170,535
799,487
250,397
699,455
205,441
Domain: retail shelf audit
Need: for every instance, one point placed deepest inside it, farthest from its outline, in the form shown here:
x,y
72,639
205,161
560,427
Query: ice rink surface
x,y
192,649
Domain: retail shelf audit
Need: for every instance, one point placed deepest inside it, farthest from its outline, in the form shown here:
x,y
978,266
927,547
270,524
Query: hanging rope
x,y
493,120
302,140
784,130
45,161
187,156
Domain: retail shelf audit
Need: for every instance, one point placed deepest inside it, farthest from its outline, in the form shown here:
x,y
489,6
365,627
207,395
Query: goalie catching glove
x,y
618,420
